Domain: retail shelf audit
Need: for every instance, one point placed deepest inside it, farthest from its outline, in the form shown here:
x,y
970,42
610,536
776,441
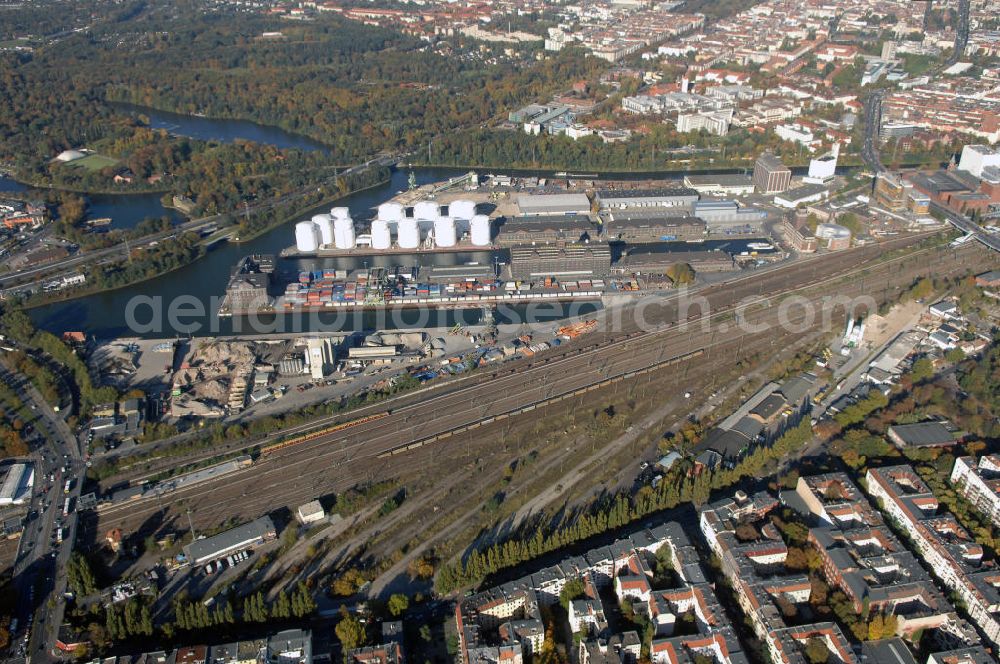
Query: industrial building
x,y
534,205
231,541
770,176
530,263
651,262
18,479
727,217
248,286
807,193
320,355
637,226
549,229
666,197
720,185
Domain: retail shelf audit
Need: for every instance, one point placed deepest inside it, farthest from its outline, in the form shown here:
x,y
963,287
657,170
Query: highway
x,y
316,465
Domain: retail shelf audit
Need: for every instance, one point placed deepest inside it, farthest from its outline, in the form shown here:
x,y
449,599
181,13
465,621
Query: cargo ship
x,y
461,287
330,289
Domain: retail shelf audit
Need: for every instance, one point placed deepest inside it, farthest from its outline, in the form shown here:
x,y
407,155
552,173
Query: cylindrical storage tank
x,y
480,230
391,211
408,234
426,210
324,227
444,232
306,236
340,213
344,227
462,209
381,238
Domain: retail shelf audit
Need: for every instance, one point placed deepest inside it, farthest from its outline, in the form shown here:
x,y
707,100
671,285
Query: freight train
x,y
312,435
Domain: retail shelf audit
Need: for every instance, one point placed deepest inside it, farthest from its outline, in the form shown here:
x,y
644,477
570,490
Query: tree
x,y
421,568
574,588
680,274
816,651
398,603
922,370
876,627
351,633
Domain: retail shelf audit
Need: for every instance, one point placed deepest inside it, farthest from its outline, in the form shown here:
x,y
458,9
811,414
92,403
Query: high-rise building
x,y
770,176
977,157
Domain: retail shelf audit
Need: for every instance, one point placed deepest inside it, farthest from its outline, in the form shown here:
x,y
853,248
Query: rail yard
x,y
337,461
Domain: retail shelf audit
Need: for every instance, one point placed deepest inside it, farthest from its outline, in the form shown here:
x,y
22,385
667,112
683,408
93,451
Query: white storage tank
x,y
408,234
344,231
381,238
340,213
462,209
391,211
306,237
429,210
480,230
444,232
324,228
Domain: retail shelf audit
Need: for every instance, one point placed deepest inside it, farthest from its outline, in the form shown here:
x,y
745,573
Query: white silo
x,y
340,213
444,232
344,230
480,230
381,238
306,237
428,210
462,209
408,234
324,228
391,211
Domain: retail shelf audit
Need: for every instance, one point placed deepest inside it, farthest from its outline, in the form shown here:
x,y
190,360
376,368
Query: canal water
x,y
185,301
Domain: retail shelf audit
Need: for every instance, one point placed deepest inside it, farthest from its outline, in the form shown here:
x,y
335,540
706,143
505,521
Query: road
x,y
39,569
318,465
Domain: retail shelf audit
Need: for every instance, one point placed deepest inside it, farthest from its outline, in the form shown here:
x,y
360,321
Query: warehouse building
x,y
770,176
534,205
529,263
651,262
681,198
521,231
18,480
726,217
922,434
807,193
720,185
651,226
231,541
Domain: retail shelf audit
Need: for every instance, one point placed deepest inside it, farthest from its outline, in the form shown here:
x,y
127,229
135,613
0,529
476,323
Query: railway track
x,y
300,473
661,311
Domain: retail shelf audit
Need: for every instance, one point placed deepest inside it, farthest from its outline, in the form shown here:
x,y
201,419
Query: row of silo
x,y
328,230
337,228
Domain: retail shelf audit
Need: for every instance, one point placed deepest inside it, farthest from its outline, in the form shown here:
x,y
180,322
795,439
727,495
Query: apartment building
x,y
979,481
944,545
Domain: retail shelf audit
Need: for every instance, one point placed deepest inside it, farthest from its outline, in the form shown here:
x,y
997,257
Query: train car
x,y
274,447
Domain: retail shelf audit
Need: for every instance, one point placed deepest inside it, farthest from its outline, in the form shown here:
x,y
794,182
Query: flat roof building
x,y
668,197
807,193
921,434
231,541
16,486
532,205
720,185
